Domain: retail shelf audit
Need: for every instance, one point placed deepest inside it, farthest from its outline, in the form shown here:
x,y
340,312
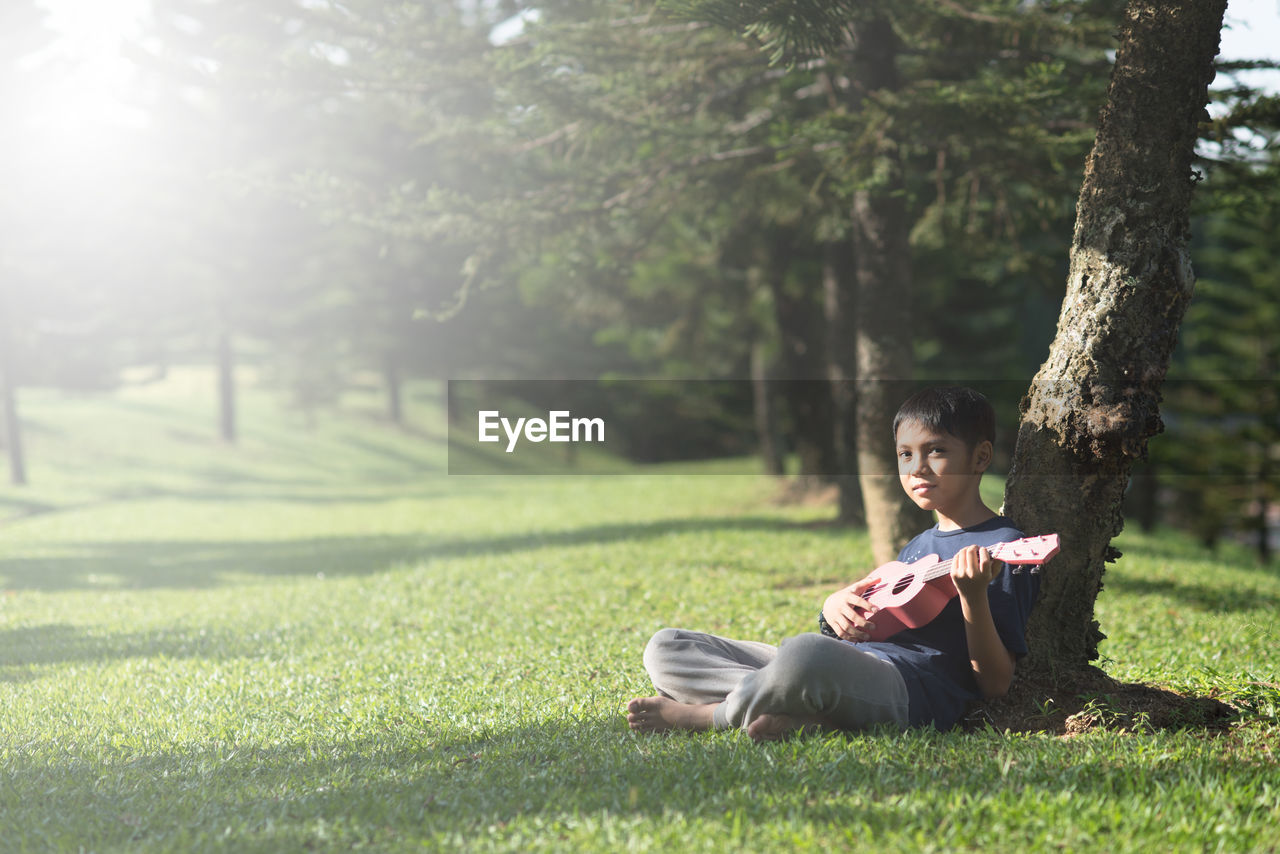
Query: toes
x,y
641,704
770,728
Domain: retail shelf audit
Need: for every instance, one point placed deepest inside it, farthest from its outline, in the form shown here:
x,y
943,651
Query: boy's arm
x,y
972,570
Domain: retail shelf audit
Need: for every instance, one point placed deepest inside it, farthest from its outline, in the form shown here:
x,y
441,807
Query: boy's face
x,y
937,470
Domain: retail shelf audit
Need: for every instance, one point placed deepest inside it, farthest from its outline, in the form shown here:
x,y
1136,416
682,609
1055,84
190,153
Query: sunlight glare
x,y
84,109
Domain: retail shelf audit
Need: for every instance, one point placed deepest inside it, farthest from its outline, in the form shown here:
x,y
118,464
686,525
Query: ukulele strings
x,y
940,569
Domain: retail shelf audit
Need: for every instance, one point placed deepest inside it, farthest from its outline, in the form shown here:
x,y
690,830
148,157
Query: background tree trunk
x,y
838,295
764,412
802,366
226,388
392,383
882,282
1095,401
1142,500
452,406
9,402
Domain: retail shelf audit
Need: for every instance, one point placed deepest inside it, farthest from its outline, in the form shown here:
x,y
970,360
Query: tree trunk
x,y
1095,401
12,430
1262,501
802,368
882,279
226,388
452,406
1141,501
9,400
842,353
391,377
763,409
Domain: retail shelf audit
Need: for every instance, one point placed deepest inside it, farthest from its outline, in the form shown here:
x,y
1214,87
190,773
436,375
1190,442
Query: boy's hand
x,y
846,612
972,569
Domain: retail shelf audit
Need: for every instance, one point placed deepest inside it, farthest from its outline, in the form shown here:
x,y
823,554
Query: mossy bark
x,y
1095,401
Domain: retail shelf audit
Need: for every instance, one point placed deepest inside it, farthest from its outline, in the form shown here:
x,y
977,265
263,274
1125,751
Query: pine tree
x,y
979,94
1223,396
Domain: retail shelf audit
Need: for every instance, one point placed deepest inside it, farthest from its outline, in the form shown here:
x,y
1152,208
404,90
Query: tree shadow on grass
x,y
214,487
1195,595
1072,704
26,649
185,564
411,783
205,563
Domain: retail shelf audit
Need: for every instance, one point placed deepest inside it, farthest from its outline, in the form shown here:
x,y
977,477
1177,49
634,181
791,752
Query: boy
x,y
839,679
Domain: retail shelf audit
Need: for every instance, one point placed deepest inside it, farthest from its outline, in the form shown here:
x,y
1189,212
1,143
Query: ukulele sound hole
x,y
902,583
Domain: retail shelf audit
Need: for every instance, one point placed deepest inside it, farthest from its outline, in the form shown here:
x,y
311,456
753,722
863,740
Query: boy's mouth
x,y
921,488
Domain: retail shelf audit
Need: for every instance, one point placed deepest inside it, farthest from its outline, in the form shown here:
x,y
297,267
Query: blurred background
x,y
312,197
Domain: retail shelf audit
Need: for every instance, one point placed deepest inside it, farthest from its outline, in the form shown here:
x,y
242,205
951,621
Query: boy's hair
x,y
960,411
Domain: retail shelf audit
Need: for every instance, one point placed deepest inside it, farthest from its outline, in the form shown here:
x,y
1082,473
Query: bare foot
x,y
659,714
778,727
772,727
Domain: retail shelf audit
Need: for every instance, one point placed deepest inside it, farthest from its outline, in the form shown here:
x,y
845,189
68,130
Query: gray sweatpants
x,y
808,675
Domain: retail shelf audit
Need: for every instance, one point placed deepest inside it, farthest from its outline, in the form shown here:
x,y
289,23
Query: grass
x,y
316,640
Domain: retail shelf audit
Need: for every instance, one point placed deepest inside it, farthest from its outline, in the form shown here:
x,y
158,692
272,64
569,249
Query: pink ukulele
x,y
911,594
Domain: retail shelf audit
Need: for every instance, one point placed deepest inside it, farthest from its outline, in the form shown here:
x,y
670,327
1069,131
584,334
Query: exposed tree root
x,y
1091,700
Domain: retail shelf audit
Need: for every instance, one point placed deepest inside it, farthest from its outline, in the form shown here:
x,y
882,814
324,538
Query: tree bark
x,y
882,282
1094,403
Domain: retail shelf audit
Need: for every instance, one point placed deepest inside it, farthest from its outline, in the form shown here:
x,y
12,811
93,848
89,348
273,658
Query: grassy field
x,y
316,640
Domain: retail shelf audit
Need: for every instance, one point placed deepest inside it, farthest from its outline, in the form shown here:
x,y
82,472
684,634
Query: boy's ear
x,y
982,455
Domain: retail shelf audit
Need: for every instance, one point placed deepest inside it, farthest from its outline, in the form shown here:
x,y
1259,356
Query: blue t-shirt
x,y
934,659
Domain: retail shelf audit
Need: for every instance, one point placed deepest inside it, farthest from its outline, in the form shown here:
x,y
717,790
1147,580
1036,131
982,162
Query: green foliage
x,y
382,187
1224,414
788,29
689,178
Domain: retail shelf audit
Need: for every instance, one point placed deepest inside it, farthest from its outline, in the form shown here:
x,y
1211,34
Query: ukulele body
x,y
906,599
909,595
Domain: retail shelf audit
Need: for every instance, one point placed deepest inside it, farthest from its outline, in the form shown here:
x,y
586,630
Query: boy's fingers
x,y
860,608
854,624
859,602
868,582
